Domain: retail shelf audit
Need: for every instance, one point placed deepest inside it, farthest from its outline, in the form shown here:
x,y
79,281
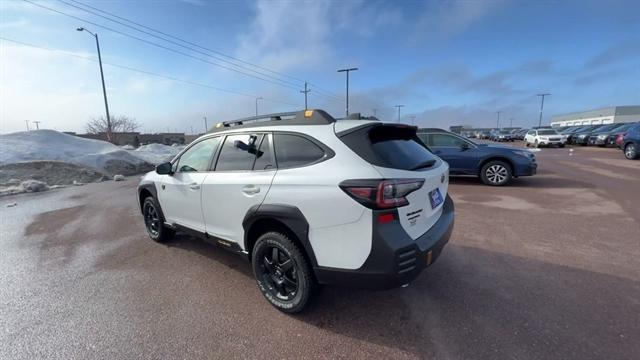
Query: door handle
x,y
194,186
250,189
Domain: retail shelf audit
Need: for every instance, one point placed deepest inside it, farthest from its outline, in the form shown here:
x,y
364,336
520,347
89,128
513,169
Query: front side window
x,y
293,151
238,152
197,158
444,140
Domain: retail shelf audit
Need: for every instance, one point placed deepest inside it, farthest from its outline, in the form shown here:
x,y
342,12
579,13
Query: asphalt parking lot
x,y
545,268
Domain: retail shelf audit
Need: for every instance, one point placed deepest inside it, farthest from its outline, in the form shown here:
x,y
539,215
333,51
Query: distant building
x,y
609,115
118,138
163,138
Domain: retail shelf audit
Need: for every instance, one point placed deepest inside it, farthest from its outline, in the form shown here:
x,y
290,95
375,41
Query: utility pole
x,y
511,122
375,111
305,92
37,124
413,119
498,121
27,123
258,98
398,106
347,71
206,128
191,129
541,106
104,89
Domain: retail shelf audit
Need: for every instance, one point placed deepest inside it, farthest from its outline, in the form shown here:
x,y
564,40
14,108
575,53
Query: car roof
x,y
304,117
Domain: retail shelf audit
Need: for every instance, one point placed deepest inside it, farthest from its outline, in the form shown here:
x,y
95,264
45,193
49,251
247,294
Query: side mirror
x,y
164,168
465,146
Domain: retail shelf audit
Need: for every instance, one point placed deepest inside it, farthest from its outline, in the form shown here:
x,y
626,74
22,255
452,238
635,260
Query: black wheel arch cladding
x,y
289,216
149,188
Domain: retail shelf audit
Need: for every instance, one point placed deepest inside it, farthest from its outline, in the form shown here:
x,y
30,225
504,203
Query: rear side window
x,y
391,146
293,151
238,152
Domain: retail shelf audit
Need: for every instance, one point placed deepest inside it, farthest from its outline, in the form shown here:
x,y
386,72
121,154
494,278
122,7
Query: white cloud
x,y
442,20
288,35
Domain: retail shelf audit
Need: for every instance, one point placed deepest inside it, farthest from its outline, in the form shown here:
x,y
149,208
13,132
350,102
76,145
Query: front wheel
x,y
630,151
496,173
153,221
282,272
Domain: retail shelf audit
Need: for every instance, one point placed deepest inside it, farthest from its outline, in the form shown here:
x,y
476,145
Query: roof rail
x,y
304,117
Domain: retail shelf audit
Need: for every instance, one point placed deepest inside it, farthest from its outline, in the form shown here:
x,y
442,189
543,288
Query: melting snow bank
x,y
55,159
156,153
23,187
50,145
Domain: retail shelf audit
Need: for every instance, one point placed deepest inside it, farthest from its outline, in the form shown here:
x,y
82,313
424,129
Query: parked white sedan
x,y
544,137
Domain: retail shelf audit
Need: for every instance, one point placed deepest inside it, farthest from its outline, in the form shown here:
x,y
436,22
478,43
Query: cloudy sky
x,y
448,62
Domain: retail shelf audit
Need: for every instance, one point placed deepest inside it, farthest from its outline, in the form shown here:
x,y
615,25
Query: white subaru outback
x,y
308,200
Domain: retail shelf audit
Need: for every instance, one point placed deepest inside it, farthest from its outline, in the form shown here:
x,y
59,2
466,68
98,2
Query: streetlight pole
x,y
258,98
398,106
541,106
206,128
498,120
510,122
375,111
104,89
27,123
37,124
413,119
305,92
347,71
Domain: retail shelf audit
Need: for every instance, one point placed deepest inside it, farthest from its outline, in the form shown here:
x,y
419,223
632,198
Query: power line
x,y
319,89
185,41
175,43
147,72
157,45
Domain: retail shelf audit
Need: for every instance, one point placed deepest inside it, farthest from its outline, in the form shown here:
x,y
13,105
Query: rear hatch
x,y
402,158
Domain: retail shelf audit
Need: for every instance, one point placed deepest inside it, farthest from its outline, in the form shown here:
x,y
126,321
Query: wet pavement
x,y
545,268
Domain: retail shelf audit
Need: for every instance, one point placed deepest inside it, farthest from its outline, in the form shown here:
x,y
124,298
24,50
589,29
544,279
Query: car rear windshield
x,y
547,132
391,146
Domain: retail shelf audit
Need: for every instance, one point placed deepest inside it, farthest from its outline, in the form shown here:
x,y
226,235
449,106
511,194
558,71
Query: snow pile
x,y
157,153
50,145
25,186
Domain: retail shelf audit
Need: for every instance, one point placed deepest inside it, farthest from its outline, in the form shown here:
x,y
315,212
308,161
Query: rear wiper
x,y
424,164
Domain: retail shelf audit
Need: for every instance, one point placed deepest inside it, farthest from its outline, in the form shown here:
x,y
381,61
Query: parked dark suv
x,y
630,143
494,164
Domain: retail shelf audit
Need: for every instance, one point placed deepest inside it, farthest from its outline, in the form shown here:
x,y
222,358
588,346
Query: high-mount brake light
x,y
381,194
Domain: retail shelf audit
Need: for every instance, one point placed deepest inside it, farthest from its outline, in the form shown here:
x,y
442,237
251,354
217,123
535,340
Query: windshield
x,y
547,132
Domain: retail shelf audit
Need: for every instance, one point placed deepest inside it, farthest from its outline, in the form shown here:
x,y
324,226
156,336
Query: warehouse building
x,y
609,115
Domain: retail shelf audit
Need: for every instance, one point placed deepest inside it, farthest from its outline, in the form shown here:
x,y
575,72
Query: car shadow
x,y
211,251
476,303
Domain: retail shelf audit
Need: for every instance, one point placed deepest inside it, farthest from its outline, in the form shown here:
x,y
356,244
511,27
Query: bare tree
x,y
118,124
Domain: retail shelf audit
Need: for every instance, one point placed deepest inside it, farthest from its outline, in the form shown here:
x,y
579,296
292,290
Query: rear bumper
x,y
395,258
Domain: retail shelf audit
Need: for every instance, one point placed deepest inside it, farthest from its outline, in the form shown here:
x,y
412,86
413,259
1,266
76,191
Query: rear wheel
x,y
630,151
535,144
561,145
153,221
282,272
496,173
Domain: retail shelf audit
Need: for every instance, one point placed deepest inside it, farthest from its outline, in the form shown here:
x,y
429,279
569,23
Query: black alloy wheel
x,y
282,273
154,222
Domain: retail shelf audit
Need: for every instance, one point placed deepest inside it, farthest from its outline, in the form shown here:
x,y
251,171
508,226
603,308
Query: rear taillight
x,y
381,194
